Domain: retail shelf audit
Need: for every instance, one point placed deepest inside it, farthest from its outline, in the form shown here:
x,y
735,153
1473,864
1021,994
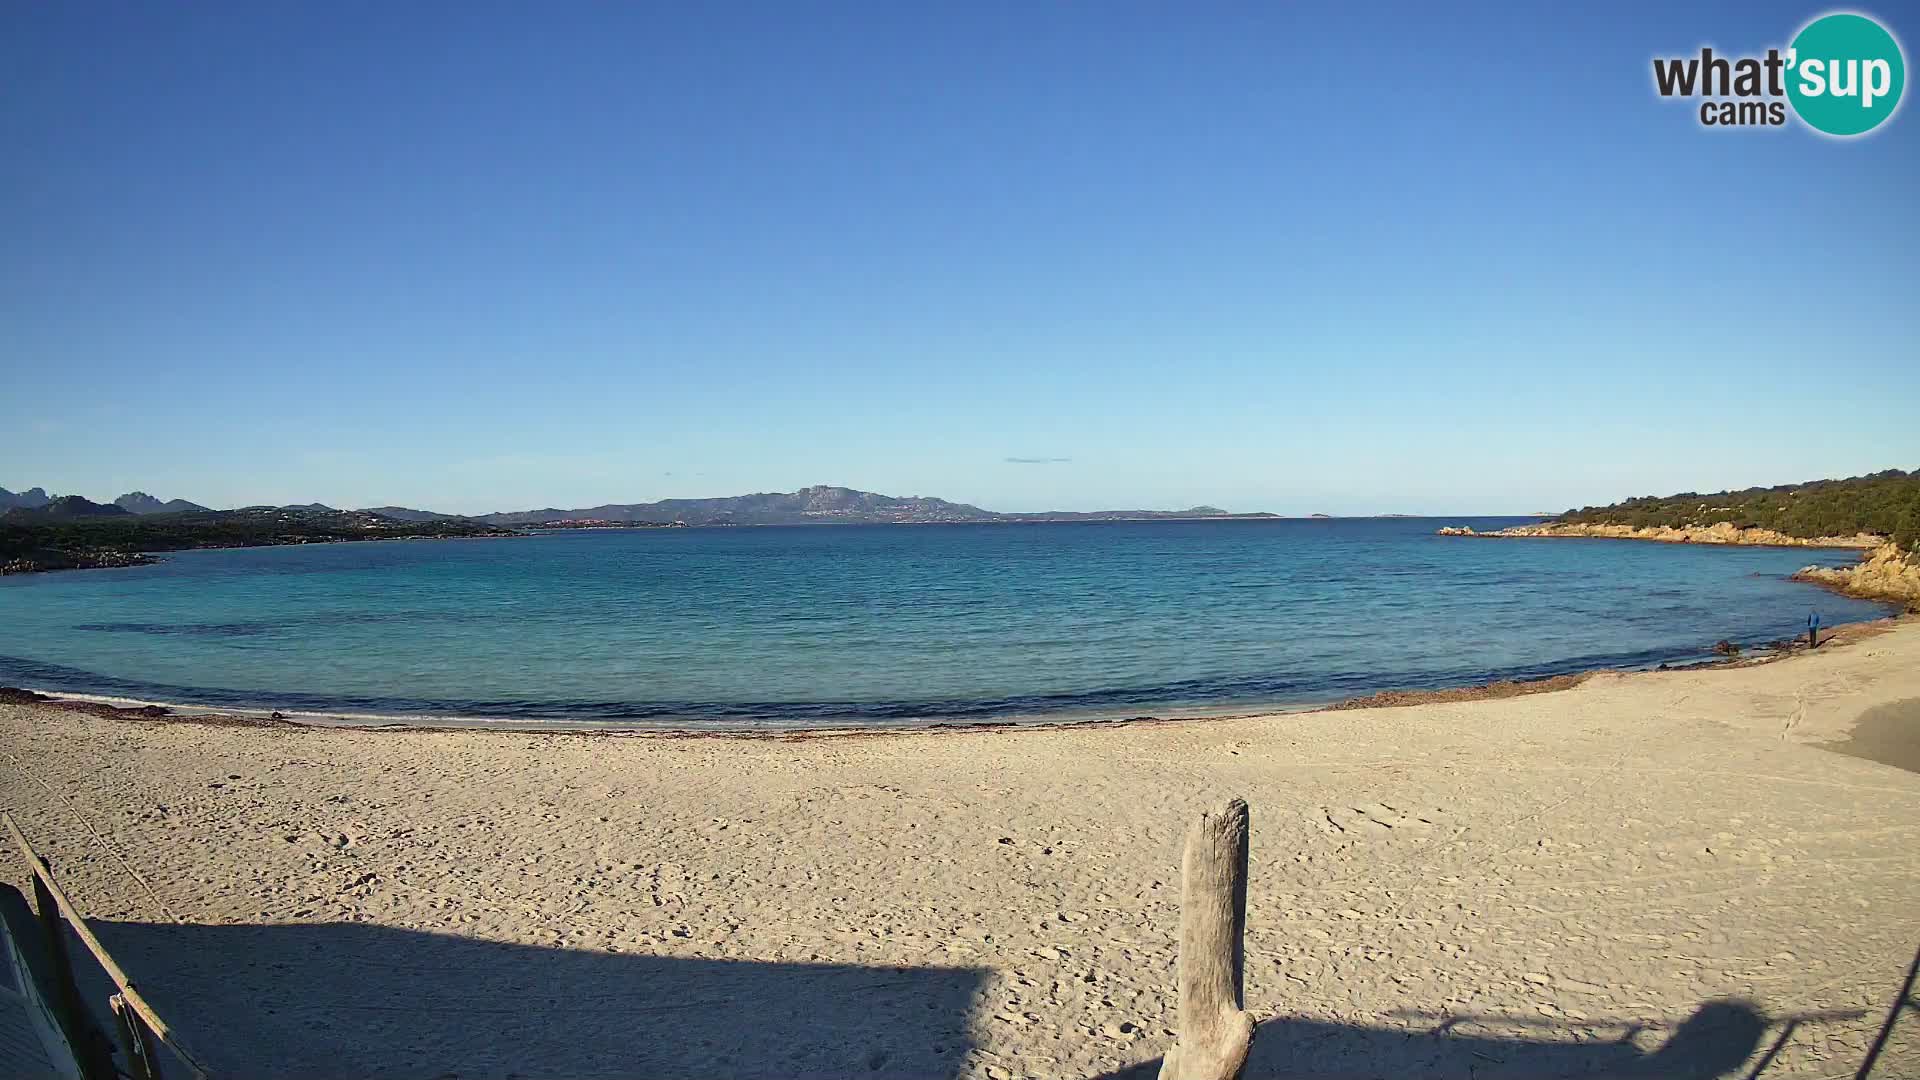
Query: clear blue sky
x,y
1299,258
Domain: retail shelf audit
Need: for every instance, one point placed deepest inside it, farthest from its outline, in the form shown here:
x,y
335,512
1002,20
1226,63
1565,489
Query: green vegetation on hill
x,y
34,540
1885,503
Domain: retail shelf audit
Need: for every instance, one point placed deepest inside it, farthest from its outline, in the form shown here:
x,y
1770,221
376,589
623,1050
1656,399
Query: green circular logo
x,y
1845,74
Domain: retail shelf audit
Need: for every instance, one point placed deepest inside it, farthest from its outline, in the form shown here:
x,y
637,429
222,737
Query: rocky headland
x,y
1885,573
1721,532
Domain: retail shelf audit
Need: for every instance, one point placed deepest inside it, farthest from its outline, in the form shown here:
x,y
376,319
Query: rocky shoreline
x,y
1718,533
86,559
1883,573
1886,573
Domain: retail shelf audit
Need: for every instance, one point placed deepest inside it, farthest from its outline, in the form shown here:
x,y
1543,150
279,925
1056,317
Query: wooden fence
x,y
139,1029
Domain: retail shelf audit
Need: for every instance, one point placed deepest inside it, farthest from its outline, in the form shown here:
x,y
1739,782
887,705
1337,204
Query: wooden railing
x,y
138,1027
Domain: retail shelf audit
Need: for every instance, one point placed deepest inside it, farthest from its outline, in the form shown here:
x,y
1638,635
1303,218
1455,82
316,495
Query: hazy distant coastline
x,y
41,532
819,504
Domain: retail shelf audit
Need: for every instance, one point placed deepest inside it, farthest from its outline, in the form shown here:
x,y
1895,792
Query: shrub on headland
x,y
1906,534
1883,503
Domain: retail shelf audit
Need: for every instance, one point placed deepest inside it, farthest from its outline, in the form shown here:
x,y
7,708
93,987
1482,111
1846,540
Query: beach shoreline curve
x,y
146,711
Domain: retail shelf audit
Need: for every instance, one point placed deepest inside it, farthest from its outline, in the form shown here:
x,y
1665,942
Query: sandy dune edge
x,y
1546,871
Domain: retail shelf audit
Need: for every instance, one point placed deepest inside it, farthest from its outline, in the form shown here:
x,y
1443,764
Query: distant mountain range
x,y
818,505
139,502
821,505
62,508
30,499
133,502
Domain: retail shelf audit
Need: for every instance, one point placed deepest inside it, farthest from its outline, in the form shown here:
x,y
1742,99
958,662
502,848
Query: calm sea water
x,y
887,624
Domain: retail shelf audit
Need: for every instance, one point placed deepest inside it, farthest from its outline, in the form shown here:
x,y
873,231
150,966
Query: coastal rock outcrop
x,y
1722,532
81,559
1885,573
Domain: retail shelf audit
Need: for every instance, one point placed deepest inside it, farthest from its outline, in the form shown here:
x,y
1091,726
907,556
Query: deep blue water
x,y
888,624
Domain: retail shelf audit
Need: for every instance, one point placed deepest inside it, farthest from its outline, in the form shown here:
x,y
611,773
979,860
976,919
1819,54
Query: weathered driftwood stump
x,y
1215,1031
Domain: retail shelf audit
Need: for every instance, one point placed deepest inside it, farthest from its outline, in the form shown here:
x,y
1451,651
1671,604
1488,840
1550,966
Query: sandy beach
x,y
1660,874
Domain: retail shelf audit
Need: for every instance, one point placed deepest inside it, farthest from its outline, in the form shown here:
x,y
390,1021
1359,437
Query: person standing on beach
x,y
1813,630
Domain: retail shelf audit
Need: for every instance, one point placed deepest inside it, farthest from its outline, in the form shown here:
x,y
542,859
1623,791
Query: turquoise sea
x,y
837,625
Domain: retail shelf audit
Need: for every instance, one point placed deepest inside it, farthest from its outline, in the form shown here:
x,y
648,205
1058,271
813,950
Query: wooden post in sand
x,y
1215,1031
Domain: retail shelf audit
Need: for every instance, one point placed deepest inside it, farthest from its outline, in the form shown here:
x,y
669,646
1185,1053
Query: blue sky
x,y
1299,258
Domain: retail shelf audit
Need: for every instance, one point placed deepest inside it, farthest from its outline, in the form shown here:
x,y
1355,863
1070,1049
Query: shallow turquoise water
x,y
888,624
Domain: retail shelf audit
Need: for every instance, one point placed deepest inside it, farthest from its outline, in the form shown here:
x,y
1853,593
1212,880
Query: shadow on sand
x,y
342,1000
1716,1041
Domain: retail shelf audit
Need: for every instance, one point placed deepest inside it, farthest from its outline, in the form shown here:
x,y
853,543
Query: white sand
x,y
1567,876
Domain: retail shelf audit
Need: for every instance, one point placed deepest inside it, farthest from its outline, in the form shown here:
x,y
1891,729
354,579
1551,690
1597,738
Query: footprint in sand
x,y
1377,820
